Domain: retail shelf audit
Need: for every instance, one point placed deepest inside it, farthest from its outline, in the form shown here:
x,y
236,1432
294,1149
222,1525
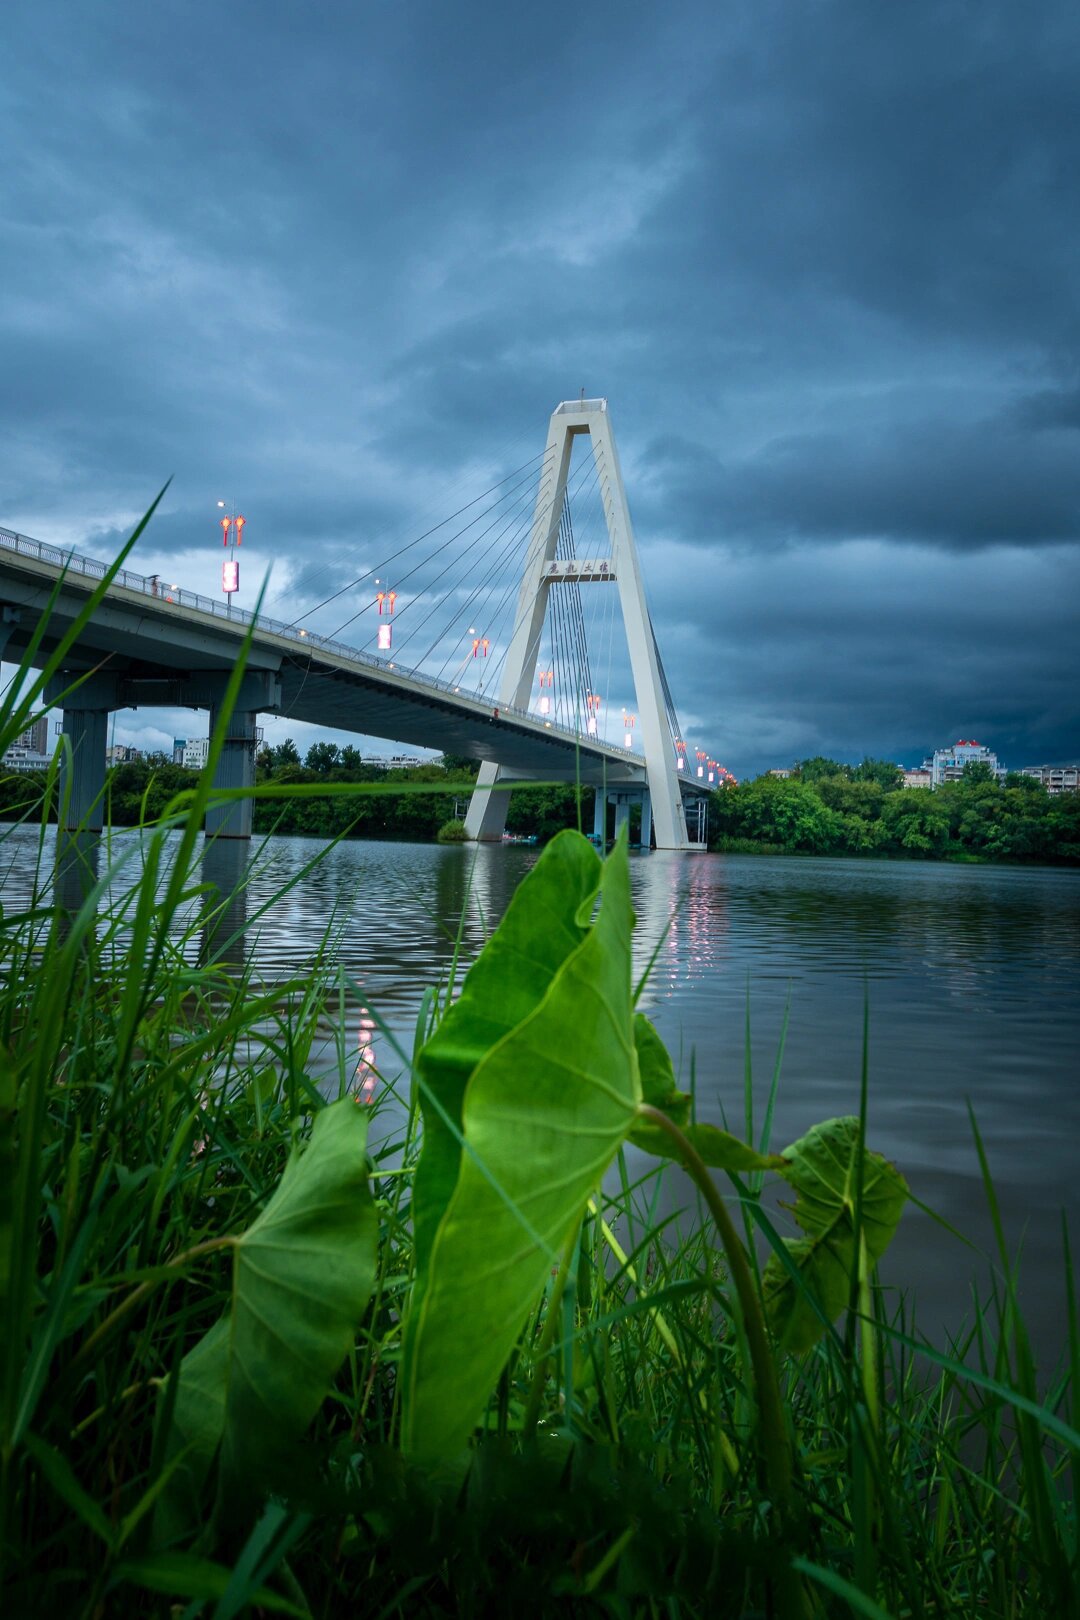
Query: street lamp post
x,y
232,534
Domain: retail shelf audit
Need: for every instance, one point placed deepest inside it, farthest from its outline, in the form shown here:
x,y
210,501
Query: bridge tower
x,y
486,817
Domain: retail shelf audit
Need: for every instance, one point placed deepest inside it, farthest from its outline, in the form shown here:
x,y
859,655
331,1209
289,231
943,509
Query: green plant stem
x,y
774,1441
547,1337
126,1306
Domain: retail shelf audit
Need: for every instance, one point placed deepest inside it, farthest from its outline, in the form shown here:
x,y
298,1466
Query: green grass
x,y
150,1101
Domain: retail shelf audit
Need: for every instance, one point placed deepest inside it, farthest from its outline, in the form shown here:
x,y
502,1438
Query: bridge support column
x,y
599,823
236,762
235,769
82,774
9,618
486,816
646,820
622,814
86,731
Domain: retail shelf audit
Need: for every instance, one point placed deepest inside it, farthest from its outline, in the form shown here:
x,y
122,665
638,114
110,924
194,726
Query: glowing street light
x,y
232,534
592,703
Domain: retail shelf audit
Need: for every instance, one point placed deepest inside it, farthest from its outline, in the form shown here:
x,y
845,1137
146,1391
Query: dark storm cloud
x,y
339,264
956,483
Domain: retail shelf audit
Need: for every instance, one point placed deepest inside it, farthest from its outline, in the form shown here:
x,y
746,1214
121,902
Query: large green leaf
x,y
714,1147
657,1073
717,1148
545,921
823,1167
302,1276
543,1113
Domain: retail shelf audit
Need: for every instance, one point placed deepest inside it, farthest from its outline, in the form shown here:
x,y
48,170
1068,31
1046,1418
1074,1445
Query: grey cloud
x,y
957,483
341,264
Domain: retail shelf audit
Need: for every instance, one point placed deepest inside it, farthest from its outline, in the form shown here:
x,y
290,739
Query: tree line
x,y
140,790
823,808
826,808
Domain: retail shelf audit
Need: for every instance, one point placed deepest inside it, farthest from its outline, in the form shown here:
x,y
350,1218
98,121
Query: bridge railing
x,y
151,585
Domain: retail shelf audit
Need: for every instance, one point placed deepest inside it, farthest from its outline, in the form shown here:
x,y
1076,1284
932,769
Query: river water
x,y
971,975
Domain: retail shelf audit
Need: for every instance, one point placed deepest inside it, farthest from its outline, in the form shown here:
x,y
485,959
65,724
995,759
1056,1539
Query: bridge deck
x,y
156,638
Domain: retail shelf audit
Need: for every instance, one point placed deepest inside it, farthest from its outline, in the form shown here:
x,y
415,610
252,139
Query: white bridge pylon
x,y
487,810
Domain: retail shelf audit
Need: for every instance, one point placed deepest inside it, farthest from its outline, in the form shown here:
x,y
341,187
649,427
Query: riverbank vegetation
x,y
286,1335
825,808
145,787
280,1343
482,1330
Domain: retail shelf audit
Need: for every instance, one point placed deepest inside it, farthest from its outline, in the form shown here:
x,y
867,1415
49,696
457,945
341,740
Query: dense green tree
x,y
813,770
977,770
286,753
889,777
860,798
859,813
322,757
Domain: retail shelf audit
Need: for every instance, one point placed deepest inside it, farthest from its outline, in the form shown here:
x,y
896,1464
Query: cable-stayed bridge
x,y
491,635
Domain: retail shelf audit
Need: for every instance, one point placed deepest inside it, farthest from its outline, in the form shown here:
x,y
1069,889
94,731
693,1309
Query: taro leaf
x,y
717,1148
657,1075
545,921
543,1114
822,1166
302,1276
197,1425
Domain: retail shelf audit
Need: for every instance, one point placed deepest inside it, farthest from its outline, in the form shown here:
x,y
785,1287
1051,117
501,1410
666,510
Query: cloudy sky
x,y
338,263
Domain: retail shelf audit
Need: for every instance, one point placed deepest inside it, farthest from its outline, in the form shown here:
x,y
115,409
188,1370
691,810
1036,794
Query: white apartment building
x,y
30,750
195,752
922,777
948,764
1055,778
22,759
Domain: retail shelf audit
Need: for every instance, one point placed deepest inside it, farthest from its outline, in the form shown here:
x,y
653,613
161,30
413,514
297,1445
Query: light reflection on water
x,y
971,975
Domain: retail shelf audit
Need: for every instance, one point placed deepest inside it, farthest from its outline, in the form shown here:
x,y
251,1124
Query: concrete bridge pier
x,y
600,816
82,773
485,818
9,618
646,820
259,692
86,730
235,769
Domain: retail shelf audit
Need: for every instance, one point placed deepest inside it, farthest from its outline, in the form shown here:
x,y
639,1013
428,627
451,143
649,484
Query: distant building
x,y
394,762
23,759
178,746
1055,778
195,752
947,765
35,739
923,777
30,750
782,771
121,754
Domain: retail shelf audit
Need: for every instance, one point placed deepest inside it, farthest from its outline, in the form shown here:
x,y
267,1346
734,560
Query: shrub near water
x,y
825,808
